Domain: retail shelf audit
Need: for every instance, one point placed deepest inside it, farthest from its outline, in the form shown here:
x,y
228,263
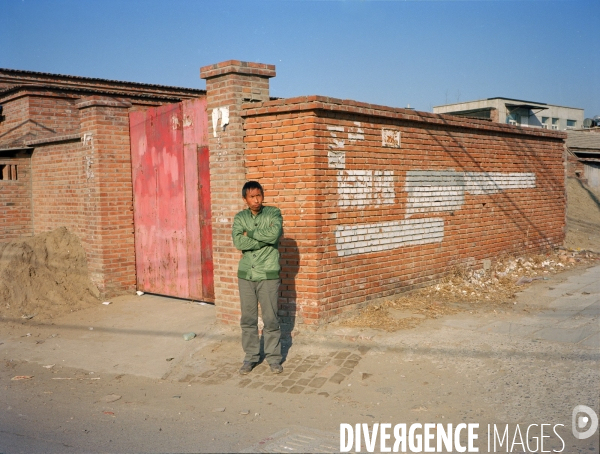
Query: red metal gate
x,y
171,189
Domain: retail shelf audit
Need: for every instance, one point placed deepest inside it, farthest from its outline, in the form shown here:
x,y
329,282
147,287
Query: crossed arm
x,y
252,240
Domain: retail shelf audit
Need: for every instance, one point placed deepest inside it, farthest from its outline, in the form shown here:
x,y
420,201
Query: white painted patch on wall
x,y
390,138
220,113
382,236
365,187
336,156
87,139
356,133
443,191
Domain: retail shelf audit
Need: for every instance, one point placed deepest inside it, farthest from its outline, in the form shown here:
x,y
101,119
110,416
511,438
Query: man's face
x,y
254,200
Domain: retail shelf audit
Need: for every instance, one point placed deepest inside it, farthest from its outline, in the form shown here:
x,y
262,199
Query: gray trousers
x,y
251,293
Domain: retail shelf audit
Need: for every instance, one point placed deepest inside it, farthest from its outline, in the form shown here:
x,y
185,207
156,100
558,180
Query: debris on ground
x,y
44,276
189,336
469,289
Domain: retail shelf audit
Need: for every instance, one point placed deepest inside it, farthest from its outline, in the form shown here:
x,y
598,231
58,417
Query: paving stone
x,y
244,382
593,310
268,387
281,389
317,382
328,371
338,362
577,321
350,364
337,378
304,381
345,371
592,341
511,329
288,383
296,389
342,355
353,357
295,375
256,384
302,368
573,335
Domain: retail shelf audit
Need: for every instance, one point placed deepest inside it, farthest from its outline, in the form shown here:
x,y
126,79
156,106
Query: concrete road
x,y
120,378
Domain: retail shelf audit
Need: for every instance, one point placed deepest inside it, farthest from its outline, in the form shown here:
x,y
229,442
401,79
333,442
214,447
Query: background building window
x,y
8,172
555,123
571,124
545,122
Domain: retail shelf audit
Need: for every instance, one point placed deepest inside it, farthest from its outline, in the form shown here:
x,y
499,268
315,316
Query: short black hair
x,y
252,185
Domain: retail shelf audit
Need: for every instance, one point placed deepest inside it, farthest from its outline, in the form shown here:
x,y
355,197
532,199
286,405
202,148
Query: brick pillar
x,y
228,85
108,194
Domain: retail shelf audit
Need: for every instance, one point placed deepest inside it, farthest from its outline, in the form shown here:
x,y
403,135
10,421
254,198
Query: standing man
x,y
256,232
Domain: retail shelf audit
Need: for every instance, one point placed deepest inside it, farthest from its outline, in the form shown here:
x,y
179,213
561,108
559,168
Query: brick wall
x,y
107,203
228,84
379,200
15,124
57,188
575,168
54,114
15,197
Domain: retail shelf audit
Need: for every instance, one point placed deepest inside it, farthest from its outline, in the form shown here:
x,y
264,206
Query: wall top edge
x,y
324,103
237,67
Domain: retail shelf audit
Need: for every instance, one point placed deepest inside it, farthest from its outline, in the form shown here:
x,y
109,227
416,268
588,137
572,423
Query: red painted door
x,y
171,188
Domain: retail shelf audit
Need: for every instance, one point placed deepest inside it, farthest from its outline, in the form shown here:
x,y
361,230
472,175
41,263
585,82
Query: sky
x,y
394,53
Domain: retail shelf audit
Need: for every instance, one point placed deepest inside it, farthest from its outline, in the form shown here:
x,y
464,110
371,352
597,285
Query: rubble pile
x,y
470,289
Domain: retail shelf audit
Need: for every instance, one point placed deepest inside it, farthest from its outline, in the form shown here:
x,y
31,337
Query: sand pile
x,y
44,276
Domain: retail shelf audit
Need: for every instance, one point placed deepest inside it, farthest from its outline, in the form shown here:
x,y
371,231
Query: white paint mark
x,y
383,236
224,117
87,138
336,157
89,171
187,121
215,120
175,122
365,187
390,138
443,191
356,133
223,114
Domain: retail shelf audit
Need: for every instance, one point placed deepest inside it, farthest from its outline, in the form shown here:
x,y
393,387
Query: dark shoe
x,y
247,367
276,368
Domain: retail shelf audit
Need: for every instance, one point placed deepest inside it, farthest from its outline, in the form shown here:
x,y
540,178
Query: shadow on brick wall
x,y
290,263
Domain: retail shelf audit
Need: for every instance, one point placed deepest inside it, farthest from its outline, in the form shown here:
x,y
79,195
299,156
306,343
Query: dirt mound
x,y
583,216
44,276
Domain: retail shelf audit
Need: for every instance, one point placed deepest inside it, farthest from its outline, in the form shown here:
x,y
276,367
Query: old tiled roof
x,y
587,139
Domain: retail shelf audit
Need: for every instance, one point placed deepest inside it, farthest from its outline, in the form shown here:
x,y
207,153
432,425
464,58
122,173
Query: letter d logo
x,y
579,422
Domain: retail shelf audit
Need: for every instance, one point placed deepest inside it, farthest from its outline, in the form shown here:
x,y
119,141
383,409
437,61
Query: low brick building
x,y
66,143
375,200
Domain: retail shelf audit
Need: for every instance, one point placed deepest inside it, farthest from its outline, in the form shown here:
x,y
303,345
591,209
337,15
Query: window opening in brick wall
x,y
8,172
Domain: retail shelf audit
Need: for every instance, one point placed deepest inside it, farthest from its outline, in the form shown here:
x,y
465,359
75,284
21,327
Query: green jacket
x,y
261,257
